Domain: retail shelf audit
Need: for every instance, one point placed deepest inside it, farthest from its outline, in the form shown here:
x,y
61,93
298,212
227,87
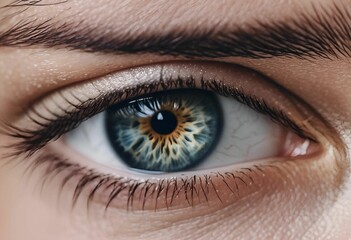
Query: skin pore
x,y
304,199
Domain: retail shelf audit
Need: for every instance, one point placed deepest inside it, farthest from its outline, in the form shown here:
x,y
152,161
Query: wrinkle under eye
x,y
165,132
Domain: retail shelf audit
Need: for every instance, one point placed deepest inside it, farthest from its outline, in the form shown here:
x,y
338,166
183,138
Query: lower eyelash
x,y
140,194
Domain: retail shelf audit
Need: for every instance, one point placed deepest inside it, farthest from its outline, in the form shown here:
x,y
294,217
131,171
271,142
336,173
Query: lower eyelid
x,y
96,184
156,193
216,188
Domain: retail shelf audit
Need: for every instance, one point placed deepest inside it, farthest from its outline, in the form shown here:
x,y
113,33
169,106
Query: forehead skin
x,y
324,84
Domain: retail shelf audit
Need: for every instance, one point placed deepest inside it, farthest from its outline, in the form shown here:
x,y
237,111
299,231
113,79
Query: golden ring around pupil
x,y
182,114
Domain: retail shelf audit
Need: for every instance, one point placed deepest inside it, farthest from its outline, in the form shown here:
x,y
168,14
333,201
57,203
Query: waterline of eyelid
x,y
77,158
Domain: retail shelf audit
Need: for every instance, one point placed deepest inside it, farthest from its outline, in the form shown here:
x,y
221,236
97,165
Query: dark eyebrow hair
x,y
322,33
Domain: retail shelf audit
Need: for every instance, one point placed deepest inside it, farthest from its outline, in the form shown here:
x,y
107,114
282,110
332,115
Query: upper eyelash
x,y
32,140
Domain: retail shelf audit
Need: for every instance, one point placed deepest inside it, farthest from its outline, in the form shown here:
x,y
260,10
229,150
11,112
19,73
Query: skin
x,y
310,200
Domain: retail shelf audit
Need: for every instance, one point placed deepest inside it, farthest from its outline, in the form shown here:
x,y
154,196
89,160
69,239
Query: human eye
x,y
166,135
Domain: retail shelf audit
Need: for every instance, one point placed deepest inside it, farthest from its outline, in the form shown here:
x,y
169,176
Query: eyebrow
x,y
322,33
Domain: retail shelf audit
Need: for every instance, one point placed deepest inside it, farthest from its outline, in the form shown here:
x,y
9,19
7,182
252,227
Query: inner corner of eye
x,y
180,130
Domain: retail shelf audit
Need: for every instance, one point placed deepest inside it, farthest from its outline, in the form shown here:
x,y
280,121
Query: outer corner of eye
x,y
298,146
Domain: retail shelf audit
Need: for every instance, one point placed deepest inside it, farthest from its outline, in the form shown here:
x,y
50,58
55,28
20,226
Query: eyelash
x,y
192,186
50,129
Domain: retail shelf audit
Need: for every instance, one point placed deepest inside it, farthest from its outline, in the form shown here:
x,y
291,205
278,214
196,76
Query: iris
x,y
167,131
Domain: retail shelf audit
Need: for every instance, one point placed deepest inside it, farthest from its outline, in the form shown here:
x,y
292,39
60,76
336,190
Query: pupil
x,y
164,122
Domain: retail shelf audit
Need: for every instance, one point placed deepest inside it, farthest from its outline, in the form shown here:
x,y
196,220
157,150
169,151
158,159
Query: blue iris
x,y
166,131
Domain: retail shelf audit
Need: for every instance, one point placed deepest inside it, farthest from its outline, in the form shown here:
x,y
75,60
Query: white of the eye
x,y
247,135
90,140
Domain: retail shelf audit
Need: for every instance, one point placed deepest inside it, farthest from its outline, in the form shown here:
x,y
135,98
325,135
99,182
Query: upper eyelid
x,y
85,94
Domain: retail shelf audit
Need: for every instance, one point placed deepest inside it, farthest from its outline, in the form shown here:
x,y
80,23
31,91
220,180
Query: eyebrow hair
x,y
28,3
323,33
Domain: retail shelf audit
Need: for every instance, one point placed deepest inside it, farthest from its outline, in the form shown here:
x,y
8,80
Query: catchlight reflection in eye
x,y
178,130
166,132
